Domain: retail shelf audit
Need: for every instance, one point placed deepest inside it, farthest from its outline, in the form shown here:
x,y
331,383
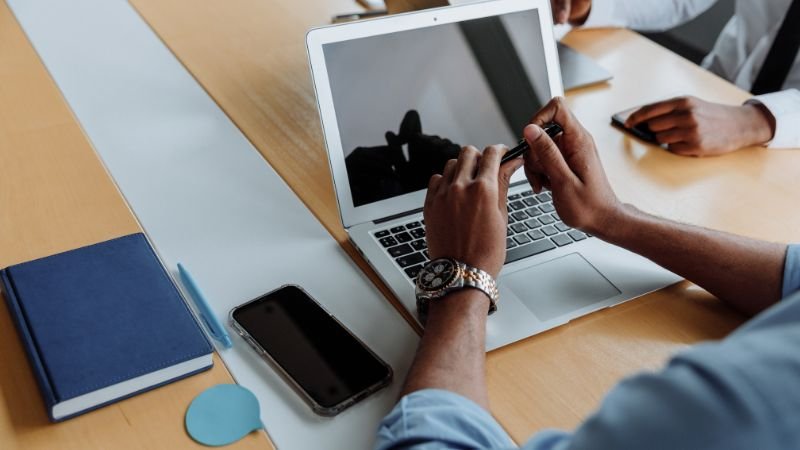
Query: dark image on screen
x,y
406,102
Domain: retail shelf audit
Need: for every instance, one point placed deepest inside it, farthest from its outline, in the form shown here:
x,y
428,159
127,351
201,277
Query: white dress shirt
x,y
738,53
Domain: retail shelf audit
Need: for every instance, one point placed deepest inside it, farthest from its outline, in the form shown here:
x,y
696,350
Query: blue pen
x,y
215,328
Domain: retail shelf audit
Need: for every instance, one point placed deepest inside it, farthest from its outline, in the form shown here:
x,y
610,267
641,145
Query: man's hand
x,y
573,11
745,272
693,127
466,219
571,168
465,210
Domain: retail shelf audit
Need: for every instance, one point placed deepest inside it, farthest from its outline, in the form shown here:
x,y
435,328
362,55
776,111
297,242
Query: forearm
x,y
452,353
744,272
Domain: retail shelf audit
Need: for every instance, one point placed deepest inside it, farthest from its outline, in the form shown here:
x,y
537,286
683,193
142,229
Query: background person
x,y
757,50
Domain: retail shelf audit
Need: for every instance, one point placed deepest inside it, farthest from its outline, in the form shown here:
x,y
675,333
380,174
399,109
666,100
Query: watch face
x,y
436,275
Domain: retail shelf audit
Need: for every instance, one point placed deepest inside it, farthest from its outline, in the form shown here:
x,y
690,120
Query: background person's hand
x,y
465,209
574,12
693,127
570,167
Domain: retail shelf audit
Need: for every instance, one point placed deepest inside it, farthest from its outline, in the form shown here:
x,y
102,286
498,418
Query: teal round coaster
x,y
222,415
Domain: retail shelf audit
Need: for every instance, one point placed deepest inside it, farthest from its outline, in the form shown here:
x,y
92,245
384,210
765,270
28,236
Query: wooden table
x,y
55,195
249,55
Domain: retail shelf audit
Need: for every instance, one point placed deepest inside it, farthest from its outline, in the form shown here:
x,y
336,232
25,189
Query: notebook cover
x,y
99,315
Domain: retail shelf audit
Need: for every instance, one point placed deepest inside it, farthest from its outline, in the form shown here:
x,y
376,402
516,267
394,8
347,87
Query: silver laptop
x,y
579,71
398,97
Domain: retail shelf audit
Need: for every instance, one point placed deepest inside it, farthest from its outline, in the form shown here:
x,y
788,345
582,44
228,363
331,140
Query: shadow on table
x,y
669,169
681,314
19,392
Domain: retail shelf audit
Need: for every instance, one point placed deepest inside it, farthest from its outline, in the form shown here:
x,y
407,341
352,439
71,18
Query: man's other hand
x,y
574,12
465,209
693,127
571,168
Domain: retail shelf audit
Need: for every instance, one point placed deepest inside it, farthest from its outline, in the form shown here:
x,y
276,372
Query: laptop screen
x,y
406,102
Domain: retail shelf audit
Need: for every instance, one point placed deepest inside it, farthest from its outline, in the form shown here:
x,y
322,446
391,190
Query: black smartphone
x,y
328,366
641,131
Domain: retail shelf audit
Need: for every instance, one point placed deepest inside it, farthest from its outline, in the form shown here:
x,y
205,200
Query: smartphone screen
x,y
329,365
642,131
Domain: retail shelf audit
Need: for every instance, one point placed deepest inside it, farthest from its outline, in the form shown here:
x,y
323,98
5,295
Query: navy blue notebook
x,y
102,323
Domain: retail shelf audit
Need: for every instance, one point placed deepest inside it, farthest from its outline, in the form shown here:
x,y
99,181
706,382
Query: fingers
x,y
674,127
555,110
472,165
466,164
672,136
653,110
449,171
561,10
492,173
433,189
534,173
507,170
434,183
547,154
538,181
489,165
674,119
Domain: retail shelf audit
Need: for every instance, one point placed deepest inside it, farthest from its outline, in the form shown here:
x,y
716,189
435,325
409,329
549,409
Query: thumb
x,y
547,153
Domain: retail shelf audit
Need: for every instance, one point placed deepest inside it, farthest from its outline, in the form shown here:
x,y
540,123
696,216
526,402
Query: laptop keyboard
x,y
533,228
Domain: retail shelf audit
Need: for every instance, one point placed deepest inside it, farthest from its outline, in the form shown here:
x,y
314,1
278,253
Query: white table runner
x,y
208,199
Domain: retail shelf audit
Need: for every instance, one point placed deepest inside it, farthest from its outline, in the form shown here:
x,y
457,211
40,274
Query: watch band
x,y
478,279
465,277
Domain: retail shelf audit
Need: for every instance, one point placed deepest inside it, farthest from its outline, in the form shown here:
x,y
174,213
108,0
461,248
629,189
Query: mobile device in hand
x,y
641,131
322,360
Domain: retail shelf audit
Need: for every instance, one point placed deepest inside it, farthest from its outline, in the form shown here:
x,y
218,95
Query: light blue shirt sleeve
x,y
791,270
434,419
739,393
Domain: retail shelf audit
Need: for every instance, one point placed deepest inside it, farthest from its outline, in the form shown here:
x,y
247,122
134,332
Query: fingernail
x,y
562,16
529,131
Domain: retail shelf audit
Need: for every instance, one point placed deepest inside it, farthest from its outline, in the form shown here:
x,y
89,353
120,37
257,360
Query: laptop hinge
x,y
397,216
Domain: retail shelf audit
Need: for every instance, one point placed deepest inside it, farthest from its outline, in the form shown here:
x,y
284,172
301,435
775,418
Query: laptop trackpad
x,y
559,286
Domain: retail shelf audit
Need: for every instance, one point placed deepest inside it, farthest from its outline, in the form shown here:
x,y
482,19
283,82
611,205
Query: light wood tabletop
x,y
250,56
55,195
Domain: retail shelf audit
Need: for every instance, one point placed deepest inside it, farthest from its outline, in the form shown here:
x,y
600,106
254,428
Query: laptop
x,y
398,96
579,71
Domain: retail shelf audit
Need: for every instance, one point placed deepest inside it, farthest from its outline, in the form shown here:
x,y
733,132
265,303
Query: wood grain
x,y
557,378
250,56
55,195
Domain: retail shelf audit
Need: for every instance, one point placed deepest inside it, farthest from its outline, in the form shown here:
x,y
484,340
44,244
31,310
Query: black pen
x,y
552,129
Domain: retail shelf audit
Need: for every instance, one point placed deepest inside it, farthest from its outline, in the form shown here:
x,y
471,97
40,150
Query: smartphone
x,y
328,366
641,131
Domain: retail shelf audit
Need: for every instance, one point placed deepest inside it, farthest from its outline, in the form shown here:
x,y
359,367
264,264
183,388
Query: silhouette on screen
x,y
384,171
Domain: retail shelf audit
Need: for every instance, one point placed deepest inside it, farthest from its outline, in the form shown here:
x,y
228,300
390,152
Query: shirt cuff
x,y
602,15
791,270
434,418
785,108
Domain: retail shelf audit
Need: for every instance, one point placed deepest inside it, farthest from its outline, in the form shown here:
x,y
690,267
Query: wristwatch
x,y
445,275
